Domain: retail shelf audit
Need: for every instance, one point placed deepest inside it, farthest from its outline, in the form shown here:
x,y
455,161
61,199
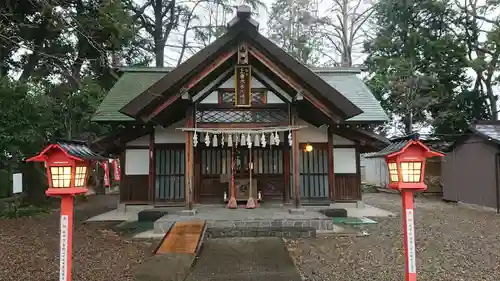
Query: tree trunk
x,y
158,34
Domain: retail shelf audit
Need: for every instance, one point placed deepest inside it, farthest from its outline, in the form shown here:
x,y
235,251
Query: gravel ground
x,y
30,247
453,243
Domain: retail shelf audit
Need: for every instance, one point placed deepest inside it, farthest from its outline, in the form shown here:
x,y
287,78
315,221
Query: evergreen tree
x,y
417,65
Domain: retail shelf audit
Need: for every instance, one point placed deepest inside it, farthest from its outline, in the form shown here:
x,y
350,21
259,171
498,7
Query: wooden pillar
x,y
331,172
188,185
286,173
152,166
358,171
124,190
196,175
296,161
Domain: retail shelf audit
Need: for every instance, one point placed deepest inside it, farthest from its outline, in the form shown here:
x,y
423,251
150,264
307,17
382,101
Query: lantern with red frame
x,y
406,164
406,159
67,164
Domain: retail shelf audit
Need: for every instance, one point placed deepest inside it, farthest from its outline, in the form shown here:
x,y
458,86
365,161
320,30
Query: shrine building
x,y
240,122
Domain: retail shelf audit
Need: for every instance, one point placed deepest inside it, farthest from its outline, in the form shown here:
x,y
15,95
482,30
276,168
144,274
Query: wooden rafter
x,y
191,83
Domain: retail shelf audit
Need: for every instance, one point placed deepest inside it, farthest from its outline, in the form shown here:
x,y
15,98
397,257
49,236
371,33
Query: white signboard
x,y
410,230
63,254
17,183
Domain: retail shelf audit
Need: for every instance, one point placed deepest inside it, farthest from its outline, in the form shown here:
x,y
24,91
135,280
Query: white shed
x,y
375,171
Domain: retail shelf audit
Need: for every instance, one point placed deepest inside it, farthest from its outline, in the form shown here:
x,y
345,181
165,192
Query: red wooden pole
x,y
409,235
232,204
66,239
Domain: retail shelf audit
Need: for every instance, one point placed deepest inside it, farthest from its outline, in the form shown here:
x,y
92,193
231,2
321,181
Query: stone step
x,y
284,232
303,225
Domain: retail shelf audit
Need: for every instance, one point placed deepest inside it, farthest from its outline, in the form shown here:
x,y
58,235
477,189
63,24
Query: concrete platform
x,y
121,214
217,216
267,216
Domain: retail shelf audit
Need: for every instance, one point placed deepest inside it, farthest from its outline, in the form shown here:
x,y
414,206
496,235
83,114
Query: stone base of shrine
x,y
264,221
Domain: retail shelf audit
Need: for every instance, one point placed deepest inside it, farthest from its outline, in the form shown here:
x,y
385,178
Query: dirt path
x,y
30,247
244,259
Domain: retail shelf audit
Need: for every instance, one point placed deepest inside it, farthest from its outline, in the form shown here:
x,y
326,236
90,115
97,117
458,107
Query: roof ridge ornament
x,y
243,13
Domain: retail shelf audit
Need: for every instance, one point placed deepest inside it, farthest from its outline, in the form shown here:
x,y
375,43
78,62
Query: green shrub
x,y
5,183
16,210
81,198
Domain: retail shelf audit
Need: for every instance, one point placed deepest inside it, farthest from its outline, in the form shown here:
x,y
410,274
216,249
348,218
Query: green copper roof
x,y
130,85
354,89
136,80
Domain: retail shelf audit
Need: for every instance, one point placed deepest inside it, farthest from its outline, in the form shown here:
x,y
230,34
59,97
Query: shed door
x,y
313,178
170,171
448,178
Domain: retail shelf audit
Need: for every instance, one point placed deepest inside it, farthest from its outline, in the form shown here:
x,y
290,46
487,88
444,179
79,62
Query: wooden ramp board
x,y
183,238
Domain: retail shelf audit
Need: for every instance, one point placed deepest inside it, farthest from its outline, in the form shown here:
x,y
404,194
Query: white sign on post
x,y
63,247
410,230
17,183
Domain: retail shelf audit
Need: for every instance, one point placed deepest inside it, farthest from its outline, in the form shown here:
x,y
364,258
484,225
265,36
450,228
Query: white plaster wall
x,y
212,98
163,135
273,98
137,162
344,160
314,134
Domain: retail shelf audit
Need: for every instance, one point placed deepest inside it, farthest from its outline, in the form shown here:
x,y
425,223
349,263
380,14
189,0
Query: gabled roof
x,y
398,145
132,82
241,29
78,150
346,81
393,147
489,130
135,80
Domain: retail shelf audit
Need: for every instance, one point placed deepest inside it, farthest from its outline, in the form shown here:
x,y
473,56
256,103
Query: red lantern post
x,y
406,159
67,164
